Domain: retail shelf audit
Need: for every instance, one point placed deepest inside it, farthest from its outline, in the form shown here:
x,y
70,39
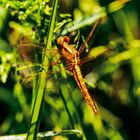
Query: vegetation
x,y
39,97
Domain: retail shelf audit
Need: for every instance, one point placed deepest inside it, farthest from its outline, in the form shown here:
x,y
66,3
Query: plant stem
x,y
67,110
37,107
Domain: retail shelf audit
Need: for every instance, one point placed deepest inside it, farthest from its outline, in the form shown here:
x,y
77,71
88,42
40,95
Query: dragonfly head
x,y
63,39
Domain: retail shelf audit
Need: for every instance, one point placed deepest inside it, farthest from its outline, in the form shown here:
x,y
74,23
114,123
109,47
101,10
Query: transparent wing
x,y
31,55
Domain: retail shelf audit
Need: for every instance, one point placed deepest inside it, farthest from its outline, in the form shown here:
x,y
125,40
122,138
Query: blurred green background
x,y
113,79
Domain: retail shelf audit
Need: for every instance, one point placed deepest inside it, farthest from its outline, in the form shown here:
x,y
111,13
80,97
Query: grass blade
x,y
44,135
36,109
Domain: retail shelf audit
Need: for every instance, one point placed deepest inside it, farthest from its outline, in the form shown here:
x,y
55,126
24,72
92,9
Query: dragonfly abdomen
x,y
80,81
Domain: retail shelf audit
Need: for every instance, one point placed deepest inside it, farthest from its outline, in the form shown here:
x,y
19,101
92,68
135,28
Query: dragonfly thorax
x,y
68,52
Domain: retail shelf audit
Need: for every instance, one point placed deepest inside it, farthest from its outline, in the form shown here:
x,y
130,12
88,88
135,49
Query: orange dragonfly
x,y
71,55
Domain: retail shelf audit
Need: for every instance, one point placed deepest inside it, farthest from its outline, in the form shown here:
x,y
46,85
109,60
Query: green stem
x,y
67,110
85,22
44,135
37,107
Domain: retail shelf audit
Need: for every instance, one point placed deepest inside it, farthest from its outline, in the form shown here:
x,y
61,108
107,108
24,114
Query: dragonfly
x,y
71,56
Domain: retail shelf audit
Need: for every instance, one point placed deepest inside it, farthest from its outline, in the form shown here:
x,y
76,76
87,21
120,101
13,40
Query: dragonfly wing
x,y
33,53
31,70
83,46
95,53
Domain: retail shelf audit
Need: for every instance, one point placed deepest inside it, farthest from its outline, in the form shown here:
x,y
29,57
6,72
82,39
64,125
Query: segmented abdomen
x,y
80,81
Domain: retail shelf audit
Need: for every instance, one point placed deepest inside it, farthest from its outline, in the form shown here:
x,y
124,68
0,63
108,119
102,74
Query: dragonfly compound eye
x,y
66,39
62,39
